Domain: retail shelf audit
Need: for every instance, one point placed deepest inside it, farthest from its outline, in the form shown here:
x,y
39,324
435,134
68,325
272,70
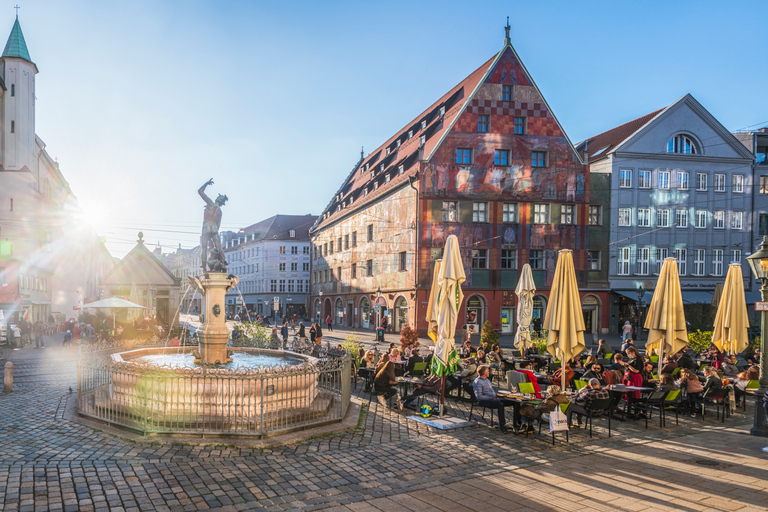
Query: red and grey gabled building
x,y
488,162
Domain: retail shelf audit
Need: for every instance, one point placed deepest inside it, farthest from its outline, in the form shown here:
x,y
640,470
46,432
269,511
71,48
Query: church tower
x,y
18,130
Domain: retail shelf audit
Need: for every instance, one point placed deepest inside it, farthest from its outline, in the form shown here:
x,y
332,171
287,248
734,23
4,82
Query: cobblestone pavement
x,y
389,462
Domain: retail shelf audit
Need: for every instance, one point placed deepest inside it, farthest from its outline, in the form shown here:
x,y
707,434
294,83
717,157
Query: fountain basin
x,y
276,387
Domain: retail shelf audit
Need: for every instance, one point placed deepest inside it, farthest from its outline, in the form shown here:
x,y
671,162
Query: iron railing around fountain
x,y
262,401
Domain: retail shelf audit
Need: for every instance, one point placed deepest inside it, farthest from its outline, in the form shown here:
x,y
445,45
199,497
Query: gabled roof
x,y
403,150
16,46
141,267
602,144
278,227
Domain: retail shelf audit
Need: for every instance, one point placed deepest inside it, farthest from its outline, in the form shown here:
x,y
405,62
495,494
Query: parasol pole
x,y
562,371
442,395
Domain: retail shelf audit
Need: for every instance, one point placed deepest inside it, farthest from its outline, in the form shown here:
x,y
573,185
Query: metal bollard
x,y
8,381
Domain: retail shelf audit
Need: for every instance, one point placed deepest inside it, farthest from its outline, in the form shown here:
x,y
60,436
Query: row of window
x,y
254,252
664,218
663,180
27,282
327,276
541,213
484,123
642,261
500,157
350,240
275,285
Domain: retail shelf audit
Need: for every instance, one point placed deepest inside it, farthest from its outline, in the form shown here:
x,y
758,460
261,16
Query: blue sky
x,y
143,101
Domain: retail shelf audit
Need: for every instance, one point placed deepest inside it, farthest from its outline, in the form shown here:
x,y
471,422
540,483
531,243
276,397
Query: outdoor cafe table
x,y
620,389
405,383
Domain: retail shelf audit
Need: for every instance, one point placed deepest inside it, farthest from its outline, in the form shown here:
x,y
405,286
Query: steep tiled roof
x,y
16,46
278,227
401,150
602,144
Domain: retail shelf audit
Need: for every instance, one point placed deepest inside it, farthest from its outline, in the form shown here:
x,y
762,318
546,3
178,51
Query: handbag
x,y
558,422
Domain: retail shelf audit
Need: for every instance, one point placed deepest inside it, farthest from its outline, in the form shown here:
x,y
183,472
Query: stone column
x,y
215,334
8,380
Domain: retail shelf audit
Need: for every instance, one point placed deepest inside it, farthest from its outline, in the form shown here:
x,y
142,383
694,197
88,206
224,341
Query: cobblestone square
x,y
48,462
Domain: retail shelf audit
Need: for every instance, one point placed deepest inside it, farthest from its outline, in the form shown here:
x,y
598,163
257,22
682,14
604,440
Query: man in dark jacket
x,y
685,361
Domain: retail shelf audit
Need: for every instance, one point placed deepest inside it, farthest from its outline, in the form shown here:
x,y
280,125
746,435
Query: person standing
x,y
329,323
313,332
284,332
67,338
318,333
302,333
37,331
626,331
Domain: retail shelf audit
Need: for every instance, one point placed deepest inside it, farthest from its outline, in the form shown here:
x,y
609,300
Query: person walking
x,y
329,323
318,333
37,331
626,331
302,333
284,333
67,338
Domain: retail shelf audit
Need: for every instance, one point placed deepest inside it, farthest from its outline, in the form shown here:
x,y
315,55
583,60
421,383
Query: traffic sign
x,y
276,299
761,306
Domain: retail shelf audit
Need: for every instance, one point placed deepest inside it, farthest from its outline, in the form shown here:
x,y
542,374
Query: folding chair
x,y
719,398
676,372
545,418
580,384
418,369
597,407
672,400
473,401
526,388
646,405
654,359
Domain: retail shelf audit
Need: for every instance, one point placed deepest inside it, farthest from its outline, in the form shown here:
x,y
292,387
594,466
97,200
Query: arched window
x,y
682,144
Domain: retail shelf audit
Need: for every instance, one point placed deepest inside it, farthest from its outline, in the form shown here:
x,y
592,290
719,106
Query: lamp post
x,y
378,307
759,264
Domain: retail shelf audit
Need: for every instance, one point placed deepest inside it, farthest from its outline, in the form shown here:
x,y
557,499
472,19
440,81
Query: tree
x,y
408,335
489,334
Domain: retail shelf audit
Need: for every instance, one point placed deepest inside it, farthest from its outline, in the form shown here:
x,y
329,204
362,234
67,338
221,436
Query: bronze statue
x,y
210,243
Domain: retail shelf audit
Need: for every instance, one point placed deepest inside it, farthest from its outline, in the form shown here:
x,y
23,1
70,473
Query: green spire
x,y
16,46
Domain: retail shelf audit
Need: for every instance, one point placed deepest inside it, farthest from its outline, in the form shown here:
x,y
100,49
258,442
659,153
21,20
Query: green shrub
x,y
489,334
352,345
540,341
699,341
408,335
252,336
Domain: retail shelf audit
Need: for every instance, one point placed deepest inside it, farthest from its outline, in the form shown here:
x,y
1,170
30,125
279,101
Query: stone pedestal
x,y
214,335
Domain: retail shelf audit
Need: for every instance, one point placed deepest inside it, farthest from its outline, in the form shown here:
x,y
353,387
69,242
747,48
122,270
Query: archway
x,y
381,309
327,313
476,312
365,313
539,309
401,313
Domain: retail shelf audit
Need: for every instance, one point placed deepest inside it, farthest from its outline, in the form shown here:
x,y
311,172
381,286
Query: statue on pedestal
x,y
210,243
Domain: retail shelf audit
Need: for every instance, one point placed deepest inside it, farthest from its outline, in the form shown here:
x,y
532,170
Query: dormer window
x,y
388,151
442,111
365,192
410,134
400,169
386,178
422,140
292,233
682,144
375,185
366,166
381,167
423,125
373,173
398,142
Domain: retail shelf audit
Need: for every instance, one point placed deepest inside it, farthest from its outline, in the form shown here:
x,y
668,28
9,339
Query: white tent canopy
x,y
112,303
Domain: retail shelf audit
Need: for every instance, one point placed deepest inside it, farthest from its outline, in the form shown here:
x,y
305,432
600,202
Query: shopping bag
x,y
557,421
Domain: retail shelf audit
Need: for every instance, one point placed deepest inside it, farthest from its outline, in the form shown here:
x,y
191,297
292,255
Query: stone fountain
x,y
180,389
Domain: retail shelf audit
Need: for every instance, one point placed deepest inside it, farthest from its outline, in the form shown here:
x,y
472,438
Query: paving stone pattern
x,y
48,462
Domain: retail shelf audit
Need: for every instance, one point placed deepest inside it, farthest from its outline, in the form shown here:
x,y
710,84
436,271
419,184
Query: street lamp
x,y
759,264
640,310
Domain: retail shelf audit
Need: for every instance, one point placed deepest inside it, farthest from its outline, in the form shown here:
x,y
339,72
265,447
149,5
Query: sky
x,y
141,102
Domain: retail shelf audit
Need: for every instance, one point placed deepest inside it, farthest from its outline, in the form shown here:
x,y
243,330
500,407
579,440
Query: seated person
x,y
589,362
469,373
575,362
431,385
647,373
624,346
666,382
669,365
408,350
595,372
713,382
730,370
690,383
385,383
685,361
481,357
530,412
603,349
557,376
617,362
394,355
486,396
581,403
742,380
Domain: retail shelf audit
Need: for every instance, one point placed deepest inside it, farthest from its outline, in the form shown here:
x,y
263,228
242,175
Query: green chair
x,y
579,384
608,356
654,376
672,400
473,354
526,387
753,384
418,369
702,366
676,372
654,359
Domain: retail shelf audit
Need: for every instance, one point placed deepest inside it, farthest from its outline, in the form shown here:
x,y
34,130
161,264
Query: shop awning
x,y
689,297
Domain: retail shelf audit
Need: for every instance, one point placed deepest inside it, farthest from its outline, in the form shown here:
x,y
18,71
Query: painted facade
x,y
492,166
